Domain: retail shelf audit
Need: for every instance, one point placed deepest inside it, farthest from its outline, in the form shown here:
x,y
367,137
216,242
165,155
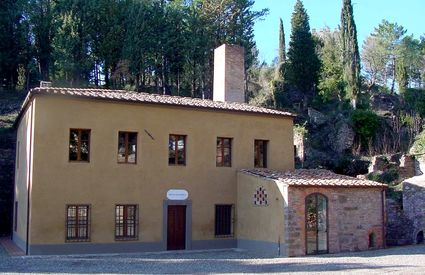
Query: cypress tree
x,y
304,64
280,69
282,49
350,52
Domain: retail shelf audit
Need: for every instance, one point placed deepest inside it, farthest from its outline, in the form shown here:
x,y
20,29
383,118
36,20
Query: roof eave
x,y
37,91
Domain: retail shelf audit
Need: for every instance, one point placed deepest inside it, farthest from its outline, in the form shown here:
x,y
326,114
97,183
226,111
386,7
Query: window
x,y
224,220
79,145
260,153
15,225
127,147
372,240
177,150
126,221
224,152
78,223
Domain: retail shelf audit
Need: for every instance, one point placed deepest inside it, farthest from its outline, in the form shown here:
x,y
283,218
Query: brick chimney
x,y
229,73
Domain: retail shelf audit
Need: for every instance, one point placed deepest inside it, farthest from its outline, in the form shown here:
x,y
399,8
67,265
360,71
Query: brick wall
x,y
353,213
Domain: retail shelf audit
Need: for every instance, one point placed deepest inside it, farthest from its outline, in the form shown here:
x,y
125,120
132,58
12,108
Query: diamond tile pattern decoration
x,y
260,196
312,177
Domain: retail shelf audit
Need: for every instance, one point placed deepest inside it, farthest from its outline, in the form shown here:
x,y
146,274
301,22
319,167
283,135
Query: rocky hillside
x,y
345,140
10,103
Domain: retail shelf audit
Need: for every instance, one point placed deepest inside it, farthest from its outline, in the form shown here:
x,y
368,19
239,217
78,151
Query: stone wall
x,y
398,224
353,214
405,165
414,205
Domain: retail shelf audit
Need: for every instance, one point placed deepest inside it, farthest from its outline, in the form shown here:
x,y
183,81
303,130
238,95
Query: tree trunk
x,y
393,77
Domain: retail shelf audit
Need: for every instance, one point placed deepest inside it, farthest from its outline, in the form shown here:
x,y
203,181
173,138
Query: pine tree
x,y
304,64
350,52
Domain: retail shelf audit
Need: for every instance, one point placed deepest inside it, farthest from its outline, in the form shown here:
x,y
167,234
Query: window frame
x,y
126,139
222,148
125,236
257,152
79,130
231,222
77,225
176,155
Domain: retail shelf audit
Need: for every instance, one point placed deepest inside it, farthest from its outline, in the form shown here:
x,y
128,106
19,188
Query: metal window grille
x,y
78,223
224,220
126,222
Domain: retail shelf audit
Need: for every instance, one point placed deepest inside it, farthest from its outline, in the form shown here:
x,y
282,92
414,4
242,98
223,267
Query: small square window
x,y
127,147
79,145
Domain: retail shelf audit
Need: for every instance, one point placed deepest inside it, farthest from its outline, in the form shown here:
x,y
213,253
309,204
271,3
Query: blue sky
x,y
367,14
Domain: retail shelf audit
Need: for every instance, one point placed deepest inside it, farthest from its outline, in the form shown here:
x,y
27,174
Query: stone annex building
x,y
101,171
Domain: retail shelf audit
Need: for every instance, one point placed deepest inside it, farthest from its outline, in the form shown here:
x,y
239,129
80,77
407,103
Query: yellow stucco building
x,y
116,171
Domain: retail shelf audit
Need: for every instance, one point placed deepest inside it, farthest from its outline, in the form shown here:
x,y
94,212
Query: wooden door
x,y
176,231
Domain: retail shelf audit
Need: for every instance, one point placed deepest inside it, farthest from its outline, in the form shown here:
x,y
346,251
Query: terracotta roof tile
x,y
122,95
312,177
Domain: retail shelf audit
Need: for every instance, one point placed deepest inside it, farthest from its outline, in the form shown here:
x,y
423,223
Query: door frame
x,y
327,224
188,235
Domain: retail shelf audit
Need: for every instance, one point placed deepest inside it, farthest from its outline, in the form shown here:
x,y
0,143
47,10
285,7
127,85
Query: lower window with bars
x,y
126,222
78,223
224,220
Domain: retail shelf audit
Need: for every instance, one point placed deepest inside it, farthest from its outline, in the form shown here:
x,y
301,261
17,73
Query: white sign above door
x,y
177,194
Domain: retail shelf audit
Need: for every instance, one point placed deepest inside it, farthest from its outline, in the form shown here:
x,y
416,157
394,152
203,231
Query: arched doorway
x,y
316,220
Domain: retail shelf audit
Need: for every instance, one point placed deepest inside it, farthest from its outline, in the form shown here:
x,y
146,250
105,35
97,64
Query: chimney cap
x,y
45,84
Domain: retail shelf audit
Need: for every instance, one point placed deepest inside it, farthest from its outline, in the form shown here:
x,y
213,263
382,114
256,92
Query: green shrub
x,y
415,100
418,147
389,177
365,124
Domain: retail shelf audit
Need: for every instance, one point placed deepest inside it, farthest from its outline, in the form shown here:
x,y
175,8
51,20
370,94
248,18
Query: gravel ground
x,y
3,253
399,260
